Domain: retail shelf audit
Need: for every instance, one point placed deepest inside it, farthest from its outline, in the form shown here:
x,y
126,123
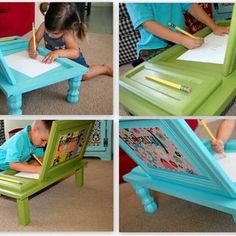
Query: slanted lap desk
x,y
63,157
213,85
173,160
14,83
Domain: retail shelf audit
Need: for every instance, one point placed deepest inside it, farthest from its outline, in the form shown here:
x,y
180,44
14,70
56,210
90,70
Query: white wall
x,y
38,15
13,124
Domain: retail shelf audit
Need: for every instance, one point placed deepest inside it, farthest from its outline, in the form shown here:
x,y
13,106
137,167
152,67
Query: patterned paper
x,y
155,149
69,146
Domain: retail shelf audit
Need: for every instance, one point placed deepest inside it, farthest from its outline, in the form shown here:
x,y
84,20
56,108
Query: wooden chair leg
x,y
79,177
150,206
73,91
23,211
14,105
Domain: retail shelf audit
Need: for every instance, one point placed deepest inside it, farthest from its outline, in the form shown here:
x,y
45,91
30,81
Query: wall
x,y
13,124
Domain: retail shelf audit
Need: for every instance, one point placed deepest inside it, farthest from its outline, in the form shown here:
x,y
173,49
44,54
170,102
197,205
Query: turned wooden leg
x,y
73,91
23,211
147,200
14,105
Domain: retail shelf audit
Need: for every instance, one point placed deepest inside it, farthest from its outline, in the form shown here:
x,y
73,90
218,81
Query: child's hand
x,y
192,43
50,58
32,53
218,146
219,30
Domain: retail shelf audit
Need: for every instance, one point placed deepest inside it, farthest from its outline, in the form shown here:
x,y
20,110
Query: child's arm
x,y
38,36
72,50
224,132
19,166
165,33
196,11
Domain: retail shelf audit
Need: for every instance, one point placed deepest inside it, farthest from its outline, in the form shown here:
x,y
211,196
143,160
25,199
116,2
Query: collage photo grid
x,y
117,117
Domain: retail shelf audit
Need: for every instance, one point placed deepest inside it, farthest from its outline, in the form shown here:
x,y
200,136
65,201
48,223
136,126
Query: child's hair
x,y
47,124
62,16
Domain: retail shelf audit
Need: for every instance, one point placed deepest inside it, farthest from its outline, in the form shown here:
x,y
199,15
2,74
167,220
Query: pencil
x,y
170,84
7,39
182,31
213,138
10,180
34,39
36,158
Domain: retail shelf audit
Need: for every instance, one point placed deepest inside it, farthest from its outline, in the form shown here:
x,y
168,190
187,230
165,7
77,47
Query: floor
x,y
100,19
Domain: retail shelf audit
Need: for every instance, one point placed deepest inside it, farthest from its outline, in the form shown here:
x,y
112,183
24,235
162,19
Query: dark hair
x,y
62,16
47,124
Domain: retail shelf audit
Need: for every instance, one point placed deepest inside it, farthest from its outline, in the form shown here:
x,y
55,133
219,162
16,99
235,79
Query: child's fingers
x,y
49,59
32,54
218,145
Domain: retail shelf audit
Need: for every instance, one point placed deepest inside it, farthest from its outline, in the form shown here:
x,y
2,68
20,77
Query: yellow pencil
x,y
182,31
36,158
7,39
213,138
34,38
10,180
170,84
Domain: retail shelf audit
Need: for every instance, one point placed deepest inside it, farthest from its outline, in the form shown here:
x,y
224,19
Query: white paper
x,y
212,51
28,175
21,62
228,164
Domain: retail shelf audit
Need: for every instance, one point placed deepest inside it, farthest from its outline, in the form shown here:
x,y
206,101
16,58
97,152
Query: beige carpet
x,y
173,215
65,207
96,96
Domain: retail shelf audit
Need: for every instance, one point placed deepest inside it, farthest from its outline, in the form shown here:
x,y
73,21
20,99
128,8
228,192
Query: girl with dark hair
x,y
60,30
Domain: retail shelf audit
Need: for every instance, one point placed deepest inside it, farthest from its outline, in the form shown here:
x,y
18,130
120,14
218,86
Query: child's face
x,y
39,138
55,34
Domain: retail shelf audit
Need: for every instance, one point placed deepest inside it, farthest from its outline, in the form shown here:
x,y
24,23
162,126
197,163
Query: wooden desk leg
x,y
23,211
14,105
73,91
79,177
147,200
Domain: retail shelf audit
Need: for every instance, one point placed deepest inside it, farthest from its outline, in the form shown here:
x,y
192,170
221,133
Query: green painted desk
x,y
63,157
213,85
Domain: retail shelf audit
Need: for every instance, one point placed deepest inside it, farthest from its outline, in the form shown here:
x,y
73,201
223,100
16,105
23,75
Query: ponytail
x,y
80,29
44,7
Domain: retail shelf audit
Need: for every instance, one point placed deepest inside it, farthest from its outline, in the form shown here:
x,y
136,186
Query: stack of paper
x,y
21,62
228,164
212,51
28,175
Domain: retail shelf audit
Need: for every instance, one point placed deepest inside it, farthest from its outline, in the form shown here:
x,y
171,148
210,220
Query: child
x,y
16,151
60,30
151,19
224,132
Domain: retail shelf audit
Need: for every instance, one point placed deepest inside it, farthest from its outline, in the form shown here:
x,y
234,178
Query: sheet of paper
x,y
21,62
212,51
28,175
228,164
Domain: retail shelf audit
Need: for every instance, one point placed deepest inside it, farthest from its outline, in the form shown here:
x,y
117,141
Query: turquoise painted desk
x,y
213,85
63,157
14,84
173,160
100,142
